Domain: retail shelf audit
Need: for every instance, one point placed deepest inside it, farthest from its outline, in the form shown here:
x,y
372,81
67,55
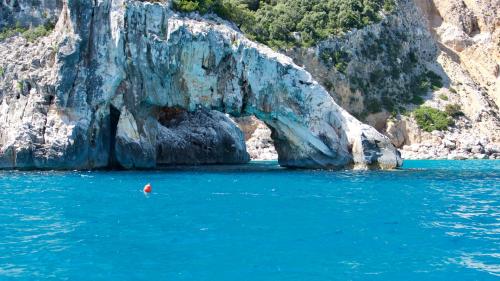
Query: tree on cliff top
x,y
286,23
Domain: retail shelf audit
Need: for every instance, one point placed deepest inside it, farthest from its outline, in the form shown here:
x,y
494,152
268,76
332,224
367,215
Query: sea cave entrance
x,y
210,137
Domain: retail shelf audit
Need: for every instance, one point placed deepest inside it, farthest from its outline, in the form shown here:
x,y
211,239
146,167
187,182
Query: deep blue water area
x,y
432,220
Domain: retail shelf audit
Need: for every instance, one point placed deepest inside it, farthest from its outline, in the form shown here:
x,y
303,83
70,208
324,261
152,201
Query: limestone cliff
x,y
135,85
379,74
468,38
28,12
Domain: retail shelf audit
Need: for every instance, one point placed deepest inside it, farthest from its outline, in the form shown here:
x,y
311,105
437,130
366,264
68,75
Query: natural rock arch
x,y
190,64
142,58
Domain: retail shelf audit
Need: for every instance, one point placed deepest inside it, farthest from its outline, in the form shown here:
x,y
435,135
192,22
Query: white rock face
x,y
117,65
456,39
466,31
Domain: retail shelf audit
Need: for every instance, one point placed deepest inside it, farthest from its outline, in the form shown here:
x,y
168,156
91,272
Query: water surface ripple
x,y
433,220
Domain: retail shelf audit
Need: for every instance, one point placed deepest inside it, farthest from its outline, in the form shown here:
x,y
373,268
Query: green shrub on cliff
x,y
19,86
337,58
285,23
421,85
453,110
8,32
373,106
188,6
435,80
31,34
430,119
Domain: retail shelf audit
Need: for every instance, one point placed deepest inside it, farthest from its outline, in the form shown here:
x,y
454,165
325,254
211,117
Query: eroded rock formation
x,y
375,73
97,91
26,13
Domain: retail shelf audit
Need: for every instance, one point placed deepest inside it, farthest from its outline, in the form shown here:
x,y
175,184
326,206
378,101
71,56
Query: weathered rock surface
x,y
200,137
375,68
466,32
373,72
94,94
29,12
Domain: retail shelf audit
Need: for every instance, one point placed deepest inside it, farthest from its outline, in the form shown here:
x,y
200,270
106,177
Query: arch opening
x,y
258,140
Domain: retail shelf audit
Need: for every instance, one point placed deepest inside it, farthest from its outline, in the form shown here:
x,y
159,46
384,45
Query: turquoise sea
x,y
432,220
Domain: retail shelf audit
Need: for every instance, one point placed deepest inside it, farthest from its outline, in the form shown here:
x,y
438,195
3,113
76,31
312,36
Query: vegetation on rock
x,y
31,34
338,58
373,106
430,119
423,83
287,23
9,32
19,86
453,110
392,77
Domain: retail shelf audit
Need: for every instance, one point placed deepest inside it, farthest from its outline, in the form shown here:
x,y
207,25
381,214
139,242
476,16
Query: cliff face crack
x,y
114,117
50,102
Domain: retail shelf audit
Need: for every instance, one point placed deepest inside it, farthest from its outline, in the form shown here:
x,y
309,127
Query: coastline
x,y
257,166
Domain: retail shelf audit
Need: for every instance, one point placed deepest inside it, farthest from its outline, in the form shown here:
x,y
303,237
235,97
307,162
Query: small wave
x,y
221,193
10,270
250,194
473,261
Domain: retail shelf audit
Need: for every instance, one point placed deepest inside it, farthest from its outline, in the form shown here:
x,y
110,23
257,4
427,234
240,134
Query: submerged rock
x,y
103,82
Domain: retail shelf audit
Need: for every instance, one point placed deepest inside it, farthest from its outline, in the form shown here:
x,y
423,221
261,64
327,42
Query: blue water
x,y
433,220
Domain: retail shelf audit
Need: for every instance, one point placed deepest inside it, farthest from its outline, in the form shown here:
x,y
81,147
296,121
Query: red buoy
x,y
147,188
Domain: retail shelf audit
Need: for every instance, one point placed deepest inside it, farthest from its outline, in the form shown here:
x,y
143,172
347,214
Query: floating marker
x,y
147,188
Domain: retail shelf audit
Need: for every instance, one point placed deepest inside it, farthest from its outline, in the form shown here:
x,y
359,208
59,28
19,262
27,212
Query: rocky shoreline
x,y
453,145
451,150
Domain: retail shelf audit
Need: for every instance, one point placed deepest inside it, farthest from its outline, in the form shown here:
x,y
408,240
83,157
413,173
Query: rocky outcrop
x,y
470,35
467,34
182,138
461,142
374,69
376,72
200,137
27,13
95,94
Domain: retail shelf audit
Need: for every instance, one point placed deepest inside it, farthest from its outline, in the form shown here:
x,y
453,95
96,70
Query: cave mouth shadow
x,y
114,118
201,137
